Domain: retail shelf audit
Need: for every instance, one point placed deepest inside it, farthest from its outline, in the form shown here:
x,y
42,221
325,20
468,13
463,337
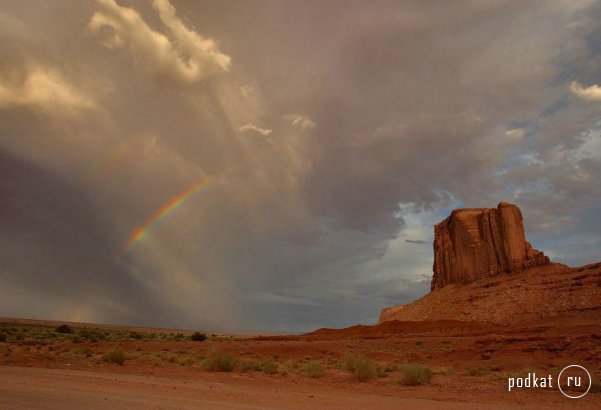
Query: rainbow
x,y
176,201
167,208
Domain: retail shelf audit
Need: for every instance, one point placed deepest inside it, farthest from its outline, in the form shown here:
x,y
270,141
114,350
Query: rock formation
x,y
472,250
475,243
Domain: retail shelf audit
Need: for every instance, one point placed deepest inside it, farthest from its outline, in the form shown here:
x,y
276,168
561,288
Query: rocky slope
x,y
536,293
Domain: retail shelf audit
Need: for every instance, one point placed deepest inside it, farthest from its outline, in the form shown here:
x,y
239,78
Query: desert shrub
x,y
390,367
114,356
64,329
415,375
86,334
250,365
360,367
314,369
219,362
269,366
135,335
2,337
198,337
289,366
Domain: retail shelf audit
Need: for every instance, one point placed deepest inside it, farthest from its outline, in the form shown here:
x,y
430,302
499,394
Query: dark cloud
x,y
330,138
54,242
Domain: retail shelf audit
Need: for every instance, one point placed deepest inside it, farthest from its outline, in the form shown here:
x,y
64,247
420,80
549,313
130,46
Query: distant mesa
x,y
474,243
485,270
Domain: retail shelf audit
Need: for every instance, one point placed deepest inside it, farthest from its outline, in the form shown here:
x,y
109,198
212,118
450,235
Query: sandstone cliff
x,y
473,251
476,243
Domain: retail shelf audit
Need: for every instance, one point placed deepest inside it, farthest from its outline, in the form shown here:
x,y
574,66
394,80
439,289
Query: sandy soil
x,y
34,388
471,362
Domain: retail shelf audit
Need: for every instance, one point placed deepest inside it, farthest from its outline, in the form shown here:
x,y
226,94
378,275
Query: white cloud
x,y
530,159
515,134
415,258
592,93
184,55
300,121
46,90
590,148
253,129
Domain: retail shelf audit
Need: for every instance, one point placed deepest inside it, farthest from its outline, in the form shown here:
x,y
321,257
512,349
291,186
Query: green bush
x,y
314,369
415,375
218,362
114,356
198,337
360,367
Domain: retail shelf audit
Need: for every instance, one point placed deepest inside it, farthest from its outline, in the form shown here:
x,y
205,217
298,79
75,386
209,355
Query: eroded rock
x,y
474,243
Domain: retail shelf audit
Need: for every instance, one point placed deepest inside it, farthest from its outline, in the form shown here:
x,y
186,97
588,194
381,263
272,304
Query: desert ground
x,y
44,366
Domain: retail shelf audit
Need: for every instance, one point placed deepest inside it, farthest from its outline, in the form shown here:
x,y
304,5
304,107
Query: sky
x,y
278,166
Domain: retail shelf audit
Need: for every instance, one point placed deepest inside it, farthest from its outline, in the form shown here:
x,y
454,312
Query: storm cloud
x,y
278,166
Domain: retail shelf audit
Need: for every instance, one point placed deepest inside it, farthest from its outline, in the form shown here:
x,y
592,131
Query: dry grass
x,y
219,362
360,367
314,369
269,366
415,375
114,356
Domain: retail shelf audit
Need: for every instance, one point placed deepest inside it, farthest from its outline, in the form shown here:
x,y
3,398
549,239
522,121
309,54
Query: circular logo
x,y
590,381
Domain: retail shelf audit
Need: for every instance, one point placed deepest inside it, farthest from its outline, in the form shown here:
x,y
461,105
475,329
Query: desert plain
x,y
99,366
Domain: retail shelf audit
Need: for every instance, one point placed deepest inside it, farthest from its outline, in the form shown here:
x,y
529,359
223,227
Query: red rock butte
x,y
484,270
474,243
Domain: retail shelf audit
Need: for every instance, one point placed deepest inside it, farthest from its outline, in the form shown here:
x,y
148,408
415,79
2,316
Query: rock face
x,y
472,248
476,243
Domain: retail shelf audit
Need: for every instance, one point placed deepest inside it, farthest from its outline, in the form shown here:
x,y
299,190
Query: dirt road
x,y
35,388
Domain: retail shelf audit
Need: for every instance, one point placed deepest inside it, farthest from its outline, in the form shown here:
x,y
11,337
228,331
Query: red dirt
x,y
450,348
